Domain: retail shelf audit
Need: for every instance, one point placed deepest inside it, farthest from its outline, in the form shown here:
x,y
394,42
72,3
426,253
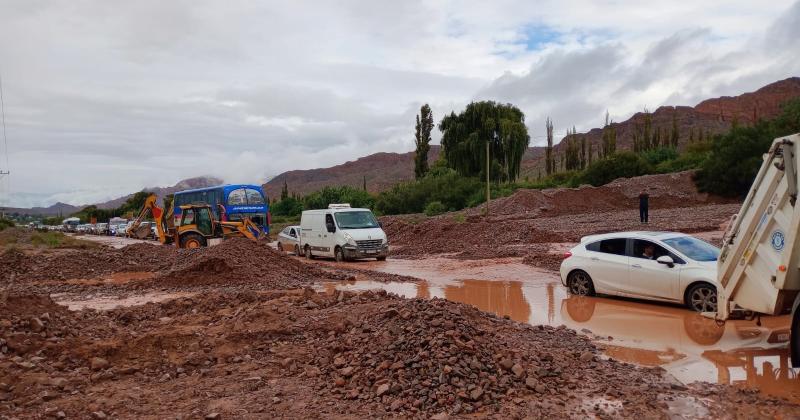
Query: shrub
x,y
6,223
444,185
618,165
344,194
662,154
434,208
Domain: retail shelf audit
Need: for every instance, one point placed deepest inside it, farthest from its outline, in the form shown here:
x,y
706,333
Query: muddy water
x,y
686,345
103,303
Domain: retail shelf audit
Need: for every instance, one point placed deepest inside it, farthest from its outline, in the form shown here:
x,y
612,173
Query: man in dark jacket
x,y
644,206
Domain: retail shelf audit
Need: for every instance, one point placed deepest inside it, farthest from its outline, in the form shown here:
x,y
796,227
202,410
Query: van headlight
x,y
349,239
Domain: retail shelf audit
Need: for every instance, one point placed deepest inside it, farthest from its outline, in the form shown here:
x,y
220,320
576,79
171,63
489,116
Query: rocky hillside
x,y
712,116
381,170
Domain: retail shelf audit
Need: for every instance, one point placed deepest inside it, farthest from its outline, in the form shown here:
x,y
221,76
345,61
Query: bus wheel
x,y
192,240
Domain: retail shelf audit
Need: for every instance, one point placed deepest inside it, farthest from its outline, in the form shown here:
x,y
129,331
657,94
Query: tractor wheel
x,y
193,240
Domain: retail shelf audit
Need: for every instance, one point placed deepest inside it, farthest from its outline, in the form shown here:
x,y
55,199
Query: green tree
x,y
285,190
332,195
422,140
618,165
609,138
464,139
674,135
549,158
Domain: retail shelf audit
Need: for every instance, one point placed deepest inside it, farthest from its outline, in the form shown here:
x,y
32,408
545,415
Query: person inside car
x,y
649,252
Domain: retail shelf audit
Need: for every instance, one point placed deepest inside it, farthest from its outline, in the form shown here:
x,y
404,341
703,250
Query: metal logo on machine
x,y
777,240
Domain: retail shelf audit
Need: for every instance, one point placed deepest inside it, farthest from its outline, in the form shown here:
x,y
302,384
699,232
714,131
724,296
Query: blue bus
x,y
239,201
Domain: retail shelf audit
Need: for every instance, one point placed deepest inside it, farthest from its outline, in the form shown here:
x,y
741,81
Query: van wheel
x,y
280,247
338,254
580,283
702,297
308,253
297,250
381,258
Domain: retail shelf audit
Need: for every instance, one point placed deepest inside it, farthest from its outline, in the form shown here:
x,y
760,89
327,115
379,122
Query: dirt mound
x,y
665,190
547,261
82,263
241,261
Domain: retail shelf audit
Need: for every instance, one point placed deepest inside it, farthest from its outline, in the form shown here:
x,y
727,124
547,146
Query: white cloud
x,y
104,98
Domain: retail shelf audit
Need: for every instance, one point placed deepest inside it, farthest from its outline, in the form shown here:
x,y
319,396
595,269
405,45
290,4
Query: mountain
x,y
711,116
186,184
67,209
381,170
54,210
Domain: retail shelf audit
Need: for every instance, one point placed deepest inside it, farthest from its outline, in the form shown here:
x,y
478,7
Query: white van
x,y
343,233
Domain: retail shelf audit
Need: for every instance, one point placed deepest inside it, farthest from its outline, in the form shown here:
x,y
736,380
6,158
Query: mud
x,y
309,355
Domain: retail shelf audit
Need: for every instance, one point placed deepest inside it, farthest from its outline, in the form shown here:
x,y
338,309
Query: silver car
x,y
289,240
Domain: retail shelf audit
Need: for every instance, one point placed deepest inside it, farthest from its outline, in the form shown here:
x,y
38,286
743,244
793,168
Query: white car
x,y
662,266
289,240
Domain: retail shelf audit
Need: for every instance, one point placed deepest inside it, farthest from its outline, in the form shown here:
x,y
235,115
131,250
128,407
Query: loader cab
x,y
196,225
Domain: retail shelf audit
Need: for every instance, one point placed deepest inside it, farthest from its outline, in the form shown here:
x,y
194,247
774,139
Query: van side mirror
x,y
331,227
666,260
380,224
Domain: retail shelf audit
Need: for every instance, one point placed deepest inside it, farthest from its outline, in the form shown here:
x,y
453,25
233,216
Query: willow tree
x,y
464,139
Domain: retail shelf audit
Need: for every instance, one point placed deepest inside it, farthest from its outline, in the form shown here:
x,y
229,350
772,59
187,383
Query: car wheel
x,y
702,297
580,283
308,253
280,247
297,250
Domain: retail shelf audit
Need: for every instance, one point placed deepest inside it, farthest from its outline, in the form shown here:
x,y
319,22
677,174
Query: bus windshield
x,y
356,220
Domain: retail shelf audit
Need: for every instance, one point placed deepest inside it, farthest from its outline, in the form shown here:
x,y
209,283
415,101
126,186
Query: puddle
x,y
116,278
686,345
103,303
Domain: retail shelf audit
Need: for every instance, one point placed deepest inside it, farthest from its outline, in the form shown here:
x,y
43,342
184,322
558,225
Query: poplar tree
x,y
422,139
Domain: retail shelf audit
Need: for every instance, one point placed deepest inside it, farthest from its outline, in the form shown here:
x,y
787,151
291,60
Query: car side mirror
x,y
331,227
666,260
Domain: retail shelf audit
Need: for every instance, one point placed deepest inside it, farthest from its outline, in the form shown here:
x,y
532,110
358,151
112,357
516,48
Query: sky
x,y
103,98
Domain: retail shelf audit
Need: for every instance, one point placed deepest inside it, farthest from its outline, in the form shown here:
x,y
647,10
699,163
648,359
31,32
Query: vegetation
x,y
422,140
435,208
620,164
549,161
5,223
735,157
442,185
465,136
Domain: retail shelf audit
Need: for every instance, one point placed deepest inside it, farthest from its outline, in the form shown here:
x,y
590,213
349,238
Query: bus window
x,y
254,197
237,197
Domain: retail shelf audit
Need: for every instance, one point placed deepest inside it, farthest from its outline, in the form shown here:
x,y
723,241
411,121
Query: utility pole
x,y
488,194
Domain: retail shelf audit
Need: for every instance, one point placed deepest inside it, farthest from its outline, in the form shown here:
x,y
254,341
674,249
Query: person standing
x,y
644,206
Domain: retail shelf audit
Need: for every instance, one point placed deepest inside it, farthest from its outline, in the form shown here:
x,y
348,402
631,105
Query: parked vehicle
x,y
662,266
121,229
289,240
101,229
343,233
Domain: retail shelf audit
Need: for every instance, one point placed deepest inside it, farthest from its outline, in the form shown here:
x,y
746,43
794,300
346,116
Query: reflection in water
x,y
687,345
504,298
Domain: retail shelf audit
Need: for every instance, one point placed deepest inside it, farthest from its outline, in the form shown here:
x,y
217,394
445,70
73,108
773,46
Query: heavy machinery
x,y
759,264
198,227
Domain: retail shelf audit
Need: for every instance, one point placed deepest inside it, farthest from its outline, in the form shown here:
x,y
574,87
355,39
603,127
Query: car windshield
x,y
355,220
694,248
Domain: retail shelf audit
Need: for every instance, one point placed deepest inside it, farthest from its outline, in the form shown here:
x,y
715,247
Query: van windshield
x,y
355,220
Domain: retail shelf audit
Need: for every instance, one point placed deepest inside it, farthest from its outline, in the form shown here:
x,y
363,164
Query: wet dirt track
x,y
688,346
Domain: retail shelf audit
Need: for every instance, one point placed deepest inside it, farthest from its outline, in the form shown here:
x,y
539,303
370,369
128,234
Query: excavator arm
x,y
162,219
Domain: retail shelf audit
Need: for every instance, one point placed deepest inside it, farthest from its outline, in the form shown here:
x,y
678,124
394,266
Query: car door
x,y
648,278
608,265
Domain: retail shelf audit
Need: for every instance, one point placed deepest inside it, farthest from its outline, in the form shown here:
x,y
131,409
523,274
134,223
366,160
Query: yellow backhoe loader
x,y
198,226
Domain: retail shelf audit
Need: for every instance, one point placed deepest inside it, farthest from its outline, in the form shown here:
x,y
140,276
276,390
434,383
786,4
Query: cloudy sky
x,y
103,98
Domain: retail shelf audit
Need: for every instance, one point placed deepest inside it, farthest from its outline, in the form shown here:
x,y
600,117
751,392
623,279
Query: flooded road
x,y
686,345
